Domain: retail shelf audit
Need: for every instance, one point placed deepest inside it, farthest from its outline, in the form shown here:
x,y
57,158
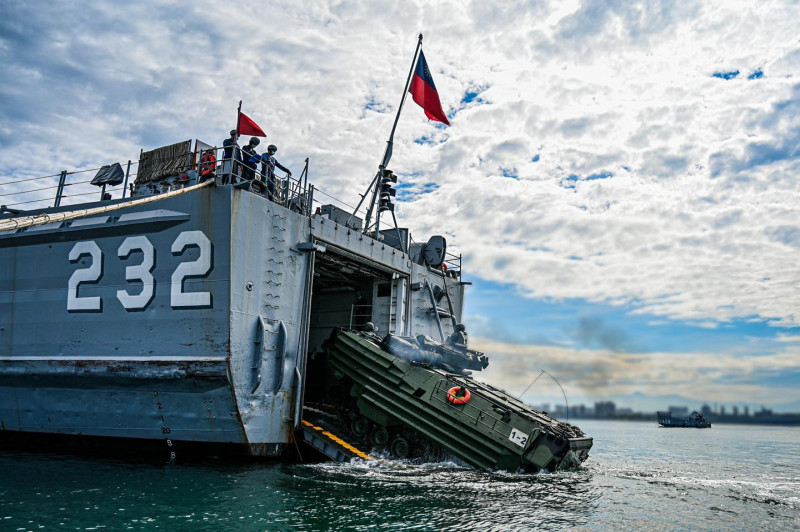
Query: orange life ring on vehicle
x,y
208,163
458,399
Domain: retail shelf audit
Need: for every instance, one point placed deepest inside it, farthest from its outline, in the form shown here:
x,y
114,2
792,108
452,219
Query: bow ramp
x,y
322,431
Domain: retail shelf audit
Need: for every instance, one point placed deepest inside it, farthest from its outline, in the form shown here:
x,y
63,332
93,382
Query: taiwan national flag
x,y
424,91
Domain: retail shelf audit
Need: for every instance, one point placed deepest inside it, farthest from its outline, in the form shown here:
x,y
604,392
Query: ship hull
x,y
140,326
678,423
185,321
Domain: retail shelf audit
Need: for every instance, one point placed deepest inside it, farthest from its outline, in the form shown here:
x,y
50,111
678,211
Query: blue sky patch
x,y
412,191
726,75
535,158
572,179
601,175
470,97
473,94
424,141
569,182
758,74
499,311
510,172
376,106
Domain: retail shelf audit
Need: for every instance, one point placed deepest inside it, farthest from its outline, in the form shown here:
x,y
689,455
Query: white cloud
x,y
697,221
596,374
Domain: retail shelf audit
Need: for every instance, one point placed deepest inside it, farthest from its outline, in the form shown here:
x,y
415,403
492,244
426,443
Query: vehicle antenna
x,y
566,403
531,384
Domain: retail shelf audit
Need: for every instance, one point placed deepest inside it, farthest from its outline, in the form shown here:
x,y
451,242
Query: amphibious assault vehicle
x,y
205,314
406,393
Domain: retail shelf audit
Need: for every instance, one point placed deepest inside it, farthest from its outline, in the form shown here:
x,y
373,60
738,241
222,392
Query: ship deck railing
x,y
159,171
31,195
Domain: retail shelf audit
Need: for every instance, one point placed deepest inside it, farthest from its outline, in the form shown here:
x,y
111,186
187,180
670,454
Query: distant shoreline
x,y
784,420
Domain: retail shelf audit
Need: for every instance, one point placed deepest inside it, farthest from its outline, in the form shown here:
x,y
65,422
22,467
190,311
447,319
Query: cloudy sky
x,y
622,178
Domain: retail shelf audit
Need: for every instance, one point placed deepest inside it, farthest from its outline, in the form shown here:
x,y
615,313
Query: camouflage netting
x,y
163,162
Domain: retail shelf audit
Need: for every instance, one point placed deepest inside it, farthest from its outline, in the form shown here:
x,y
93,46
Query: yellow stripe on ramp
x,y
340,441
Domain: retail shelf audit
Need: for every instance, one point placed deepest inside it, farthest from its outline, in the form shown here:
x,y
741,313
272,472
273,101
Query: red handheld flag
x,y
248,127
424,92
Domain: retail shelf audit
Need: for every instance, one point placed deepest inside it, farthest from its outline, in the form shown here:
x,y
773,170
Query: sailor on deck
x,y
268,164
228,158
250,159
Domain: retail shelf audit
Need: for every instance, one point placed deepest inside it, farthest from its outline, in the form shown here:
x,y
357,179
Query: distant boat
x,y
695,420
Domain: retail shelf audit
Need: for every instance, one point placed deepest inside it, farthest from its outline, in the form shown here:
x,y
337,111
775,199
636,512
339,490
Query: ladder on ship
x,y
397,306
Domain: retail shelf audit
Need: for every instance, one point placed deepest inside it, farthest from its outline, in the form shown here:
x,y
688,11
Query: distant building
x,y
605,409
735,411
705,410
679,411
722,410
746,411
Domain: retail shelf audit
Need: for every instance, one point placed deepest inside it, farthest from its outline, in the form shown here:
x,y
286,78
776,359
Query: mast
x,y
380,187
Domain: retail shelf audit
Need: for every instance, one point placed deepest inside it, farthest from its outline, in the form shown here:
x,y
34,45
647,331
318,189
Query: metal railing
x,y
452,265
30,193
202,163
254,176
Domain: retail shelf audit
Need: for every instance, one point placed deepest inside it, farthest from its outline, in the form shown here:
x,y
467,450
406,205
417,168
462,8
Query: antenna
x,y
556,381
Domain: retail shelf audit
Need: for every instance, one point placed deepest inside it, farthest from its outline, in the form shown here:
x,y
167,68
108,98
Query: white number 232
x,y
141,273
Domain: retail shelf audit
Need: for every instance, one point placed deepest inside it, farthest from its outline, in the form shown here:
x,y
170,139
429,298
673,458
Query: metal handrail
x,y
293,193
289,192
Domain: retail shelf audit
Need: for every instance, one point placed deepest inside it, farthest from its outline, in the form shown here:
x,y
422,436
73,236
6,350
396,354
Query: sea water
x,y
638,477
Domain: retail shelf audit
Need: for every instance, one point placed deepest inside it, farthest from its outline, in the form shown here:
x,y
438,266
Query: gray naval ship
x,y
209,313
694,420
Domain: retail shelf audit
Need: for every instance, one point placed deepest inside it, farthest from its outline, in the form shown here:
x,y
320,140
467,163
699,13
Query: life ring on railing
x,y
458,395
208,163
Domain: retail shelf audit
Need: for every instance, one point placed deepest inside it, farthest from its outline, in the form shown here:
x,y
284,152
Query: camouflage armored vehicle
x,y
400,394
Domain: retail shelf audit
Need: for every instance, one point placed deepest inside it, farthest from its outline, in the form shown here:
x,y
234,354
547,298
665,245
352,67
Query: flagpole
x,y
387,154
238,119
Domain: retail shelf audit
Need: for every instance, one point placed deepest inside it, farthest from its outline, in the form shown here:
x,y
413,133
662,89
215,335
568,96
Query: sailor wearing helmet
x,y
268,164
